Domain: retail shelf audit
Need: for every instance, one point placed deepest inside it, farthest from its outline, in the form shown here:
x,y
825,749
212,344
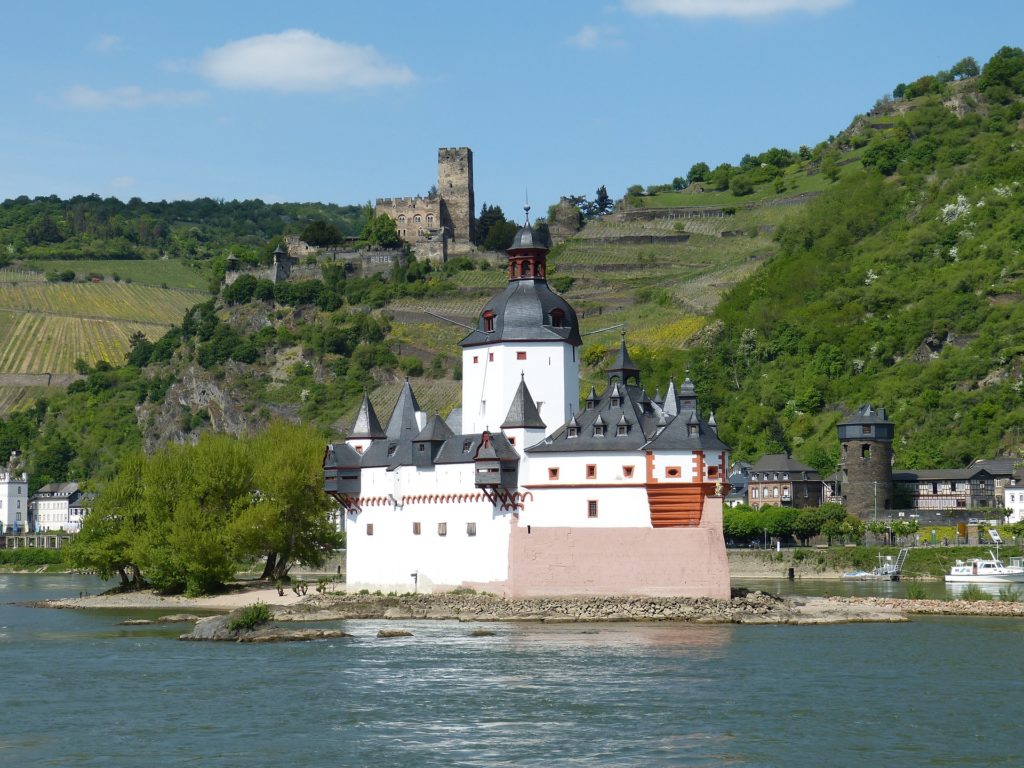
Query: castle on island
x,y
524,490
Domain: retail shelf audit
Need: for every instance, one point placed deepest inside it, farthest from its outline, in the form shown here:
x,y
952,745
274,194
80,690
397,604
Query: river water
x,y
80,691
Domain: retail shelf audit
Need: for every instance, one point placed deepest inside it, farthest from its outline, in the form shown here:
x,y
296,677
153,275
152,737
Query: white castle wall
x,y
491,374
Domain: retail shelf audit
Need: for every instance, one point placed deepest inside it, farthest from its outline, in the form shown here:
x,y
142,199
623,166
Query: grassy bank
x,y
921,563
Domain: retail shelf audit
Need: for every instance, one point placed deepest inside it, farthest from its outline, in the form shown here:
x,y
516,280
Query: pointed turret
x,y
523,413
671,398
366,426
712,423
688,396
592,398
429,441
624,368
403,424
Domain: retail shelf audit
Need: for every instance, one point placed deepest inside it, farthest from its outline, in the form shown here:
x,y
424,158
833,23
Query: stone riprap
x,y
749,608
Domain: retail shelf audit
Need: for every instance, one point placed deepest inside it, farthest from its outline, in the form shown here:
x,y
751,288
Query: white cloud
x,y
590,37
127,97
105,43
122,182
740,9
299,60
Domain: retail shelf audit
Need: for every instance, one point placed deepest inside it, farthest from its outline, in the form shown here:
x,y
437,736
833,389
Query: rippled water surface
x,y
80,691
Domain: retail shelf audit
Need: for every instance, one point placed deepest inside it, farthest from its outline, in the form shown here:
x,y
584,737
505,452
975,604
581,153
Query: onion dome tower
x,y
526,328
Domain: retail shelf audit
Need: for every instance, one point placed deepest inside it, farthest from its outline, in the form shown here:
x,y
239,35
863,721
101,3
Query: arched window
x,y
419,218
557,318
526,269
488,321
401,219
430,218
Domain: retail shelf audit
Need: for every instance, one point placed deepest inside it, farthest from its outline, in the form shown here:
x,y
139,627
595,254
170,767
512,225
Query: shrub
x,y
30,558
915,592
974,593
1009,594
250,617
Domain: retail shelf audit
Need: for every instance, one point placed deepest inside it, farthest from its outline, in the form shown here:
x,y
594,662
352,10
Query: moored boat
x,y
979,570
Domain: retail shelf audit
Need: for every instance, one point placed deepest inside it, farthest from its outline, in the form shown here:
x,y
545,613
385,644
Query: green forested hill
x,y
900,286
883,265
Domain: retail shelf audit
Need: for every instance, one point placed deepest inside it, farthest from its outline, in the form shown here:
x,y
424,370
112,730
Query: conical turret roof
x,y
523,413
624,367
436,431
366,425
402,424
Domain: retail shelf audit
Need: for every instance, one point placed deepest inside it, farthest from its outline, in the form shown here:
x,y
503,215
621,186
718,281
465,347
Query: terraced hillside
x,y
45,327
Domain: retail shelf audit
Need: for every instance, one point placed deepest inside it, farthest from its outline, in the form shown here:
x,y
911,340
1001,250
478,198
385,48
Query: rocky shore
x,y
745,608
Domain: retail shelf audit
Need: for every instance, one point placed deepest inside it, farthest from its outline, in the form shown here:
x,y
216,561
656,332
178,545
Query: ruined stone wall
x,y
414,217
455,186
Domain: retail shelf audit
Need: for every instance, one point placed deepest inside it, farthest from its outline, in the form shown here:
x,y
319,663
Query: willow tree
x,y
288,518
109,531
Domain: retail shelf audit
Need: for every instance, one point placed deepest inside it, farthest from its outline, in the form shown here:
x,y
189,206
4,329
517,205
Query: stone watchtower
x,y
865,466
455,187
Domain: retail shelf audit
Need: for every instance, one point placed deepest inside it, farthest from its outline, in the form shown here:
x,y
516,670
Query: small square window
x,y
442,529
592,508
572,432
627,471
511,441
471,529
490,357
591,471
476,359
415,529
520,355
712,471
552,473
369,529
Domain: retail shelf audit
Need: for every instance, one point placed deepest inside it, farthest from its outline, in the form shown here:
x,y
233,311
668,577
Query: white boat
x,y
978,570
888,569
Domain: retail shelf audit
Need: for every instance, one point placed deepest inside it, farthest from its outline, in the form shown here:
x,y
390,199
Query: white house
x,y
14,505
51,508
524,492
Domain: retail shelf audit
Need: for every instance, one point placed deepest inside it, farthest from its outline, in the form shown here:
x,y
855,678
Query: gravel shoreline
x,y
744,608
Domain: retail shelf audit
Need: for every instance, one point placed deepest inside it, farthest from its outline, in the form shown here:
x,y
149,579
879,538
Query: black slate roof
x,y
623,366
617,402
435,431
687,432
866,415
781,462
523,413
402,424
366,424
522,312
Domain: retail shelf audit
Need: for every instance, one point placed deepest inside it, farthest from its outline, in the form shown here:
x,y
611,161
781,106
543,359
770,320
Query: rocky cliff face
x,y
200,400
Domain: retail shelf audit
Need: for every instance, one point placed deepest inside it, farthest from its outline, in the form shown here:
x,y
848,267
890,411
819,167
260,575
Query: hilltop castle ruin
x,y
445,215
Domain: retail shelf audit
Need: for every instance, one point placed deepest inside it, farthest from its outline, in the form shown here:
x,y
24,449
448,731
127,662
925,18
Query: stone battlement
x,y
415,200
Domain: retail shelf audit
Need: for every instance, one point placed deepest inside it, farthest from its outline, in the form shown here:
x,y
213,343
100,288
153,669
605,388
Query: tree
x,y
829,166
320,233
698,172
104,544
603,202
966,67
381,232
678,183
288,520
740,185
491,216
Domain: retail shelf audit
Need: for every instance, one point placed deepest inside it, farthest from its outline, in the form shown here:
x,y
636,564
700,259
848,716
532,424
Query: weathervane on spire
x,y
527,206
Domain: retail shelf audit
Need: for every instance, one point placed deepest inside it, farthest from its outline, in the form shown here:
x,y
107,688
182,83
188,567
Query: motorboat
x,y
888,569
979,570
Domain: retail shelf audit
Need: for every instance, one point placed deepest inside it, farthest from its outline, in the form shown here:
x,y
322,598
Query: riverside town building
x,y
524,491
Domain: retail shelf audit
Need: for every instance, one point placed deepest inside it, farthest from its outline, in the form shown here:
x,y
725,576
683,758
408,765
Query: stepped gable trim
x,y
366,424
523,413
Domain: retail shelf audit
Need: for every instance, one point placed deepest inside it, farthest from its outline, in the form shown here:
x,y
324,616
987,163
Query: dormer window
x,y
488,321
557,318
616,402
572,432
392,447
599,430
622,430
693,430
466,445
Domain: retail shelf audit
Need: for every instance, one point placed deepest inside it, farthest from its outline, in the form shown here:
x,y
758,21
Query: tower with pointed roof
x,y
366,428
526,333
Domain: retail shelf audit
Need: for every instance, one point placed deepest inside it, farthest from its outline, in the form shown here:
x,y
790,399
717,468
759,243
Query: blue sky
x,y
347,101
